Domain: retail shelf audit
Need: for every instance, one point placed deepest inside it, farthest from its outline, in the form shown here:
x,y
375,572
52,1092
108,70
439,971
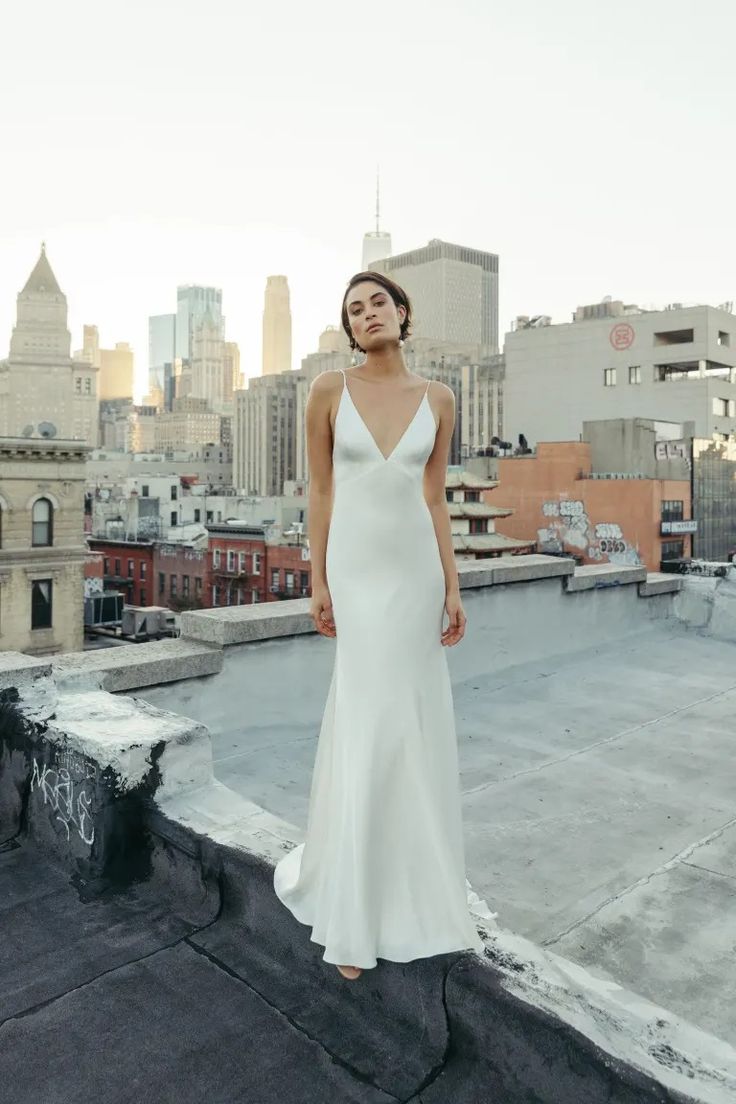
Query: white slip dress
x,y
381,871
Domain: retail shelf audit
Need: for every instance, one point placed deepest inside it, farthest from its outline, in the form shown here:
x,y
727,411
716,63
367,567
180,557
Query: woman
x,y
381,873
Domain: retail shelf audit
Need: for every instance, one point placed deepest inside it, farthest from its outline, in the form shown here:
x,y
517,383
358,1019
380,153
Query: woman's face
x,y
374,318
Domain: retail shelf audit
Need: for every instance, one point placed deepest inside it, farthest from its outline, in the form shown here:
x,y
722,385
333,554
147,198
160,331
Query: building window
x,y
117,568
172,588
274,578
254,596
78,385
256,563
215,557
672,550
289,580
143,569
41,603
106,566
230,560
143,596
185,585
724,338
634,373
197,514
43,516
304,584
241,562
131,568
173,492
88,386
720,406
609,377
209,517
674,337
145,490
198,586
161,583
673,509
215,596
472,496
173,519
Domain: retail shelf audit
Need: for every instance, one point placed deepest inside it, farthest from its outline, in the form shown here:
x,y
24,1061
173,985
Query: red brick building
x,y
243,568
128,567
180,576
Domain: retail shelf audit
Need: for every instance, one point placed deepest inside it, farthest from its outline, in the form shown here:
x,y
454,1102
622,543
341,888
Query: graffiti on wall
x,y
67,797
568,527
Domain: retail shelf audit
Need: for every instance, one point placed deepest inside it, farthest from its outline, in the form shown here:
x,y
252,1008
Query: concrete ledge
x,y
594,576
660,582
513,569
245,624
17,669
134,665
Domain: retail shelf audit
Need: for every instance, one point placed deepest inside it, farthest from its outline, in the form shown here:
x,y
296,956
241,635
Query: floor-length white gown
x,y
381,872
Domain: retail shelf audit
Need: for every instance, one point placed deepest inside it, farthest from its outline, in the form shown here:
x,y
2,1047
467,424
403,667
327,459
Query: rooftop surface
x,y
146,953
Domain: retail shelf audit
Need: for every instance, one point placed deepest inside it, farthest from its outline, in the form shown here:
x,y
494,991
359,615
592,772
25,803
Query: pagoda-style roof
x,y
42,278
488,542
459,480
476,510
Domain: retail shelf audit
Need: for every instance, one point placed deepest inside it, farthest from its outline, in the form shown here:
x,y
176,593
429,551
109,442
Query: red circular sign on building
x,y
622,336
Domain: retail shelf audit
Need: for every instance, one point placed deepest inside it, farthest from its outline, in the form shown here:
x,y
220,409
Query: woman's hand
x,y
456,628
320,610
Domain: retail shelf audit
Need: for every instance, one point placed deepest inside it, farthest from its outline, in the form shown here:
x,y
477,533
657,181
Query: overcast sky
x,y
160,142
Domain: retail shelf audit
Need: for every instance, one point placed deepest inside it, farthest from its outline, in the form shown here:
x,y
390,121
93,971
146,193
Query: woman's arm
x,y
320,496
435,478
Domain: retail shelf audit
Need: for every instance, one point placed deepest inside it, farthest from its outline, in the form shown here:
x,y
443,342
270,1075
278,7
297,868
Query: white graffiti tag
x,y
58,792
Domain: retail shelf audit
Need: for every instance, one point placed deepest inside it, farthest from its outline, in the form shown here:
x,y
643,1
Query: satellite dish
x,y
47,429
28,431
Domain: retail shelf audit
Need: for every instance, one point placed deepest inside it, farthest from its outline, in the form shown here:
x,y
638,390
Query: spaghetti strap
x,y
426,390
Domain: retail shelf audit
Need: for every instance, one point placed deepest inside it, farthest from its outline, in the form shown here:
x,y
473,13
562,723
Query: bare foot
x,y
351,972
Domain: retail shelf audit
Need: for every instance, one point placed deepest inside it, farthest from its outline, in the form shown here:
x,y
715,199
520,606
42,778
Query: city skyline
x,y
572,148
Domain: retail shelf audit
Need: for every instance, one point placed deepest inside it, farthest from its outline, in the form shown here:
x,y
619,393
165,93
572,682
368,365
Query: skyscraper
x,y
161,357
44,392
193,305
276,327
376,243
454,293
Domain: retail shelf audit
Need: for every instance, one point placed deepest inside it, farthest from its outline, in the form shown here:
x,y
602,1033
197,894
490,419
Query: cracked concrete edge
x,y
621,1023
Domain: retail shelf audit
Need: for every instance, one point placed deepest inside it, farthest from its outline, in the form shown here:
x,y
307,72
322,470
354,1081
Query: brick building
x,y
127,567
180,575
245,568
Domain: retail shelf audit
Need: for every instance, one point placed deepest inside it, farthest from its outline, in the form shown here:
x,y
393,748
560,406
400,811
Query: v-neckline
x,y
365,426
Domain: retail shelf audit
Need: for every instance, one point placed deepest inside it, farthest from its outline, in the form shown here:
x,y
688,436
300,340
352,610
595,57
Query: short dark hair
x,y
399,296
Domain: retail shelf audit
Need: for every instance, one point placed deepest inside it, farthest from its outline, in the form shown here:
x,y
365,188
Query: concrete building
x,y
618,361
266,432
586,499
276,327
42,549
142,429
208,364
116,366
191,423
453,291
44,392
233,377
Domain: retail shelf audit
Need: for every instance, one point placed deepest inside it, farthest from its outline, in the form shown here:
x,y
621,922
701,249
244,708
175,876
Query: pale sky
x,y
164,142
